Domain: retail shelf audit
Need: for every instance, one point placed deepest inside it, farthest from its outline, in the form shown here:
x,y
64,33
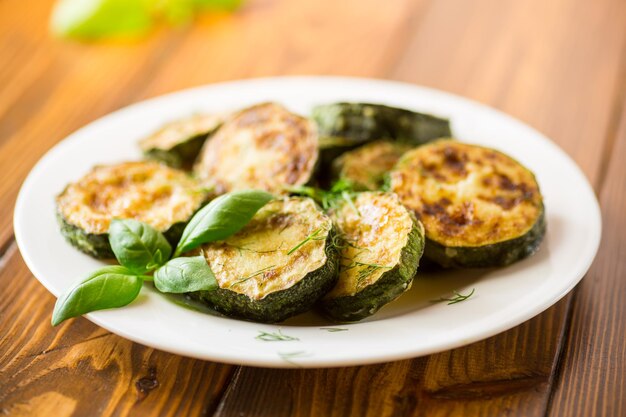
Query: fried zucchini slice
x,y
366,167
162,197
381,245
178,143
346,126
480,207
262,147
277,266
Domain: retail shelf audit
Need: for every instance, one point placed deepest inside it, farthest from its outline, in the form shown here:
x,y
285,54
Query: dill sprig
x,y
289,356
334,329
365,271
275,337
328,199
311,237
259,272
456,299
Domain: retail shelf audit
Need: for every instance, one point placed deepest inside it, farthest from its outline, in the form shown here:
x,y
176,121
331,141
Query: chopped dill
x,y
259,272
456,299
348,198
311,237
289,356
275,337
365,271
334,329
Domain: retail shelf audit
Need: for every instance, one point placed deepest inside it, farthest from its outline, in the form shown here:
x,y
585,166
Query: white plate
x,y
409,327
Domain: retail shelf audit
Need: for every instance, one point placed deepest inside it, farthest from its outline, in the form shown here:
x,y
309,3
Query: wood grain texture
x,y
79,369
496,54
592,377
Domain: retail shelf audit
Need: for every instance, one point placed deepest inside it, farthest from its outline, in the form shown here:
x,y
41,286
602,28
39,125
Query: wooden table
x,y
558,65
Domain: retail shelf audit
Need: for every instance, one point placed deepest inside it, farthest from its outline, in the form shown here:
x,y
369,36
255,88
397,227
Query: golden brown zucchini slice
x,y
262,147
277,266
365,167
162,197
480,207
381,244
178,143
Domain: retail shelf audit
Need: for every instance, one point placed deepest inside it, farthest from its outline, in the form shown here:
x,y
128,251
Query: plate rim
x,y
583,264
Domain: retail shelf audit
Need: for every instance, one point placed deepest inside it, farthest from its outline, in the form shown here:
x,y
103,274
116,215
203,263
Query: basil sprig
x,y
221,218
141,249
182,275
108,287
137,246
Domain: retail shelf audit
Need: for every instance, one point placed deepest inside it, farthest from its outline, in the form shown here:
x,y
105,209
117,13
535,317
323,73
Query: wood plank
x,y
524,58
481,380
78,368
592,377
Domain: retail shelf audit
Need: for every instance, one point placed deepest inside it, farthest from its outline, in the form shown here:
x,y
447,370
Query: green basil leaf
x,y
108,287
137,246
185,275
221,218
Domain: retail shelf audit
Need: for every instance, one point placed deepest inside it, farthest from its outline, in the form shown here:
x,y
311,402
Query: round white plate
x,y
409,327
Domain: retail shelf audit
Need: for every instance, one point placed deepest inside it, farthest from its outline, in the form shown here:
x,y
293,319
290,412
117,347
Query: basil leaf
x,y
108,287
221,218
137,246
185,275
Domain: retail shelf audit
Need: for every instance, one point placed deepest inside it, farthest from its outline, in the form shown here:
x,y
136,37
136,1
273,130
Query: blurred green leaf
x,y
91,19
98,18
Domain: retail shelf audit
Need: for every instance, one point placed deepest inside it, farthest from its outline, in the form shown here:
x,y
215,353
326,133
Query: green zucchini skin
x,y
495,255
346,126
180,156
387,288
97,245
279,305
359,123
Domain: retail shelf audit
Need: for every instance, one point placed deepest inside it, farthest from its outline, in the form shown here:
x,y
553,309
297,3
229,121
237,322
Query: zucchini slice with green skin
x,y
178,143
366,167
381,245
277,266
163,197
344,124
480,207
262,147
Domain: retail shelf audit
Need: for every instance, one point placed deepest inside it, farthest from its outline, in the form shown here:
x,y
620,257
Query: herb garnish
x,y
456,299
141,249
288,356
259,272
312,236
334,329
275,337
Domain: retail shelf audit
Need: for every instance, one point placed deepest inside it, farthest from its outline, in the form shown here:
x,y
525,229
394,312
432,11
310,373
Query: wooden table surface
x,y
558,65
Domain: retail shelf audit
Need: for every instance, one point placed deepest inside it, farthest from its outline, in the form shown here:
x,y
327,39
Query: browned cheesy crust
x,y
467,195
262,147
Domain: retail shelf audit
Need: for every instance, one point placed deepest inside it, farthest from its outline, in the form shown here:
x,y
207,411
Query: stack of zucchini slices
x,y
404,192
